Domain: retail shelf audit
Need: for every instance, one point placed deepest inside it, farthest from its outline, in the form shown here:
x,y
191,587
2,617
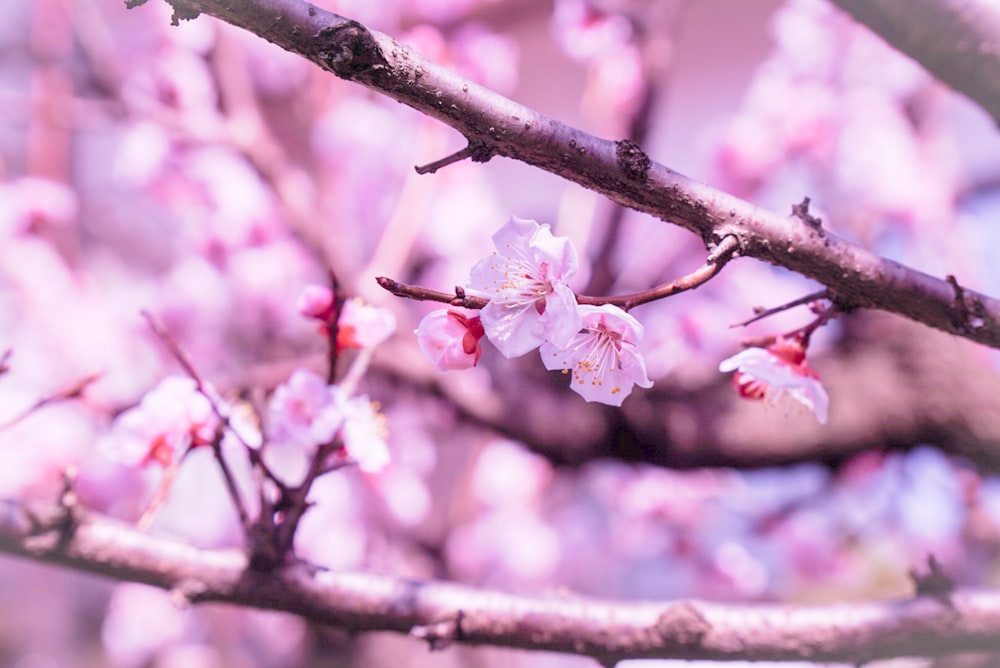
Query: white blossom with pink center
x,y
778,374
603,355
450,339
525,281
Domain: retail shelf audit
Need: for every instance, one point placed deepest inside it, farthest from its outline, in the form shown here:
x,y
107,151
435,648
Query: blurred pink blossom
x,y
169,420
603,355
585,31
450,339
362,325
315,301
140,622
525,281
778,373
304,412
365,433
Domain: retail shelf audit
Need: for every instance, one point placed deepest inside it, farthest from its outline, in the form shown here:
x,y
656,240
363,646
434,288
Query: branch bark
x,y
964,620
958,41
857,276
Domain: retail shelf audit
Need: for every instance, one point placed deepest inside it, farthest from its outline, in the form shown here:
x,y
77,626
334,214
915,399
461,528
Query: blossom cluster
x,y
529,305
306,417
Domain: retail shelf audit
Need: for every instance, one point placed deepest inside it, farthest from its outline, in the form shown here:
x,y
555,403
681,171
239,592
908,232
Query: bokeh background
x,y
206,176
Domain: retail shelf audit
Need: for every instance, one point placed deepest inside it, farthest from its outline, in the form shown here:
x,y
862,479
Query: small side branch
x,y
717,259
478,151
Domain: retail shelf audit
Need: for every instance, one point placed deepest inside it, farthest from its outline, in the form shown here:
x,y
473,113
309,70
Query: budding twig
x,y
716,260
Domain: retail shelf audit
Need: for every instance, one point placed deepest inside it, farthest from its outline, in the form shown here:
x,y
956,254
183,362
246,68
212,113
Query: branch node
x,y
934,583
441,634
724,250
682,624
632,160
182,10
187,592
477,151
54,530
352,50
965,319
801,211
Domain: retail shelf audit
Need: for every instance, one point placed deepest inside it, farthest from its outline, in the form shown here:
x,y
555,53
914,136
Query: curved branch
x,y
963,620
958,42
628,177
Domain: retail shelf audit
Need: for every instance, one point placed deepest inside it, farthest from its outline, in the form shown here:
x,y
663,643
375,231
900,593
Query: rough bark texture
x,y
858,277
442,613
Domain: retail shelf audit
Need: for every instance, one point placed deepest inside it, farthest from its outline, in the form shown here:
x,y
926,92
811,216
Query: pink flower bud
x,y
450,339
316,301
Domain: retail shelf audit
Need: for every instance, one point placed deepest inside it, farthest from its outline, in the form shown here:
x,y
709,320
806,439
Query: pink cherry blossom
x,y
602,356
450,339
525,281
304,412
778,373
169,420
362,325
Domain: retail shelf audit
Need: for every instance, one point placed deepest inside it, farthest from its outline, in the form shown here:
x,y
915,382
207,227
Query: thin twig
x,y
719,257
214,401
74,391
333,328
478,151
761,313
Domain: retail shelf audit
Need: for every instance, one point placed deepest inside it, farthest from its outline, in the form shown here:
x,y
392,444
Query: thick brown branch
x,y
608,631
957,41
353,52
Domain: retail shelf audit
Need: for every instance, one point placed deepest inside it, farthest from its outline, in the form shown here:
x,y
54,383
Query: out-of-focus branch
x,y
896,385
962,620
857,276
958,41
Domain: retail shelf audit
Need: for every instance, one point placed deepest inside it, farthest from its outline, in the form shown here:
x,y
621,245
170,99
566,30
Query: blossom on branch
x,y
360,325
602,355
777,374
525,281
172,418
306,413
450,339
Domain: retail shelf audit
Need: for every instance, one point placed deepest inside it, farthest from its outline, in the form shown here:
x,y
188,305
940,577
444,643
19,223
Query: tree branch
x,y
855,275
965,620
957,41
